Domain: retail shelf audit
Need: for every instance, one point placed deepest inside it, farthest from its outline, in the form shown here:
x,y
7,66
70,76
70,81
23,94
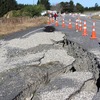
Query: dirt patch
x,y
96,17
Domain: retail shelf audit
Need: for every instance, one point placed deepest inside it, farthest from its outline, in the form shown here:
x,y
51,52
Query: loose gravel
x,y
36,39
62,86
57,55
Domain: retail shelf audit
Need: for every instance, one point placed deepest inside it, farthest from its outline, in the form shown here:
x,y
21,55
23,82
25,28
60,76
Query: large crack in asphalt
x,y
92,63
84,61
79,90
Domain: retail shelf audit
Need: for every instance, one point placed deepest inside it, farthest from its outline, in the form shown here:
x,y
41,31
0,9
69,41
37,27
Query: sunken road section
x,y
41,64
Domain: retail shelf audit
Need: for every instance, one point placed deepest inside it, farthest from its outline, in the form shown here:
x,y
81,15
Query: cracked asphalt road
x,y
13,46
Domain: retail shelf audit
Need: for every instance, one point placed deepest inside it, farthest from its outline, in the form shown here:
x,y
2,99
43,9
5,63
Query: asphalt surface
x,y
92,45
23,33
85,41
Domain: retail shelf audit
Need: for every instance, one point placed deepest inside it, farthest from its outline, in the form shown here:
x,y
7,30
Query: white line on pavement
x,y
32,32
36,30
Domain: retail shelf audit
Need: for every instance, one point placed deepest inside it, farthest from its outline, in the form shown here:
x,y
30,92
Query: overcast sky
x,y
85,3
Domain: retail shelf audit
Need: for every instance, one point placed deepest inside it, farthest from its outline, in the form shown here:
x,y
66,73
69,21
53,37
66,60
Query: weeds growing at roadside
x,y
11,25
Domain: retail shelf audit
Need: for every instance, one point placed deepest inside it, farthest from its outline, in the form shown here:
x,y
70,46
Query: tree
x,y
65,7
20,6
96,6
71,6
86,8
38,2
62,7
46,3
32,10
6,6
79,8
56,7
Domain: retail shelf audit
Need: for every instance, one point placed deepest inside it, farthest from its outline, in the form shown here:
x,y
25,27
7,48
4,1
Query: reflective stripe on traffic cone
x,y
76,25
80,26
93,36
63,24
70,24
84,29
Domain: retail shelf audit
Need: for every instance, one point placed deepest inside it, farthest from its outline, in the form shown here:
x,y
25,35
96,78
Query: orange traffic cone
x,y
93,36
56,24
48,22
70,24
76,25
80,26
84,29
63,24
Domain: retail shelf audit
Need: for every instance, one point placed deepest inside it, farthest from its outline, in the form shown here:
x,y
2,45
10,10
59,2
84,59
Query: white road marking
x,y
32,32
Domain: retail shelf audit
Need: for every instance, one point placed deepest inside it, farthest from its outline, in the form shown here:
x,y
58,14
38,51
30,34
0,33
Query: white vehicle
x,y
53,12
43,13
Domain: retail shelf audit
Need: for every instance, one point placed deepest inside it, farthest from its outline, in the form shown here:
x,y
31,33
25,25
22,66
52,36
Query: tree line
x,y
71,7
23,10
6,6
95,8
35,10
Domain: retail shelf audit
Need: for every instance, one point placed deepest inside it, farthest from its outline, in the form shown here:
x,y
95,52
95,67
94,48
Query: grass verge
x,y
8,26
96,17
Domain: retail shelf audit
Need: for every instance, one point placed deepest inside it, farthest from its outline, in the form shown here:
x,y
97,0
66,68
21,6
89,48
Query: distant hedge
x,y
17,10
29,10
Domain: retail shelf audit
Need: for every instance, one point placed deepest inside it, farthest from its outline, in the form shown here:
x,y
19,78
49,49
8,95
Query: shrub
x,y
29,10
32,10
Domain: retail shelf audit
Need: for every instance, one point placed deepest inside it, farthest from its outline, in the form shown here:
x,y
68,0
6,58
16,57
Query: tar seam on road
x,y
32,32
